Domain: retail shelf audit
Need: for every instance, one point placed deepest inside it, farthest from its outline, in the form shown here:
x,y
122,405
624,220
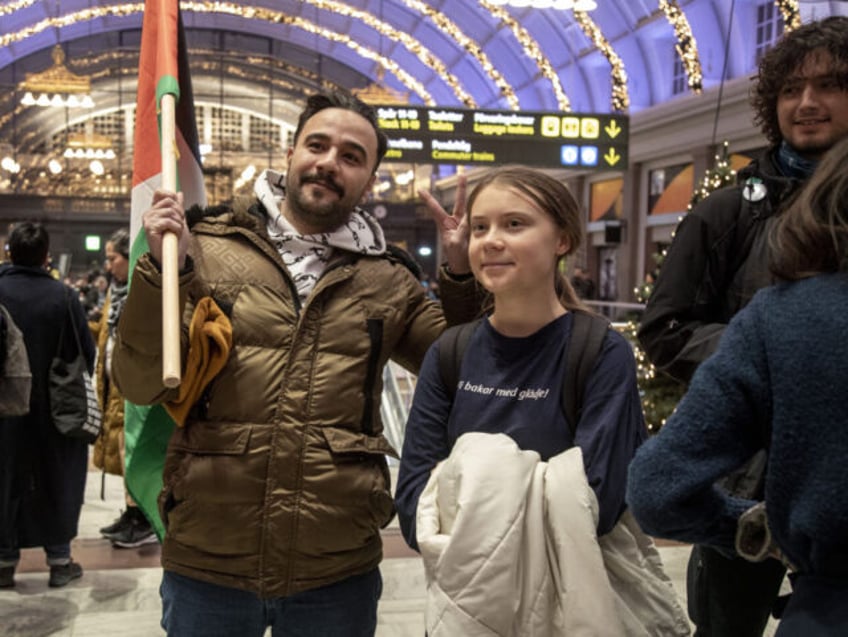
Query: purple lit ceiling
x,y
443,52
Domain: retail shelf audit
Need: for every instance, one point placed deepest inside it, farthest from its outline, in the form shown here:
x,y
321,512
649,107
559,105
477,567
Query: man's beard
x,y
326,216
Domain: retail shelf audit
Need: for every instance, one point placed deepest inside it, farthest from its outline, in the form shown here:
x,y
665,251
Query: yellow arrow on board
x,y
612,157
612,129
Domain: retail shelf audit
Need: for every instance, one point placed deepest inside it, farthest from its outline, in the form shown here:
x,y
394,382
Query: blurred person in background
x,y
131,529
42,472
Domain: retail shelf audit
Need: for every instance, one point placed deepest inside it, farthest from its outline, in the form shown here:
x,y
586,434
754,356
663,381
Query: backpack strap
x,y
588,332
452,345
754,206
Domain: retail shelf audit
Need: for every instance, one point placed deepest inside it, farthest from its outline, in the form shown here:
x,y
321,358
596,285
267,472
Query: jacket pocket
x,y
346,496
217,439
214,489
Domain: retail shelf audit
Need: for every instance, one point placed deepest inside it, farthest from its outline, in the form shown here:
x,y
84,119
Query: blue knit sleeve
x,y
716,428
425,441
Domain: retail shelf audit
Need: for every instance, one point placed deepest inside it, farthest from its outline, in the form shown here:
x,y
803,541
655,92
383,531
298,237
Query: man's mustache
x,y
325,181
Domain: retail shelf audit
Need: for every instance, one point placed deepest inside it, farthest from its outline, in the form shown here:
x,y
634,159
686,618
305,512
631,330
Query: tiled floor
x,y
118,593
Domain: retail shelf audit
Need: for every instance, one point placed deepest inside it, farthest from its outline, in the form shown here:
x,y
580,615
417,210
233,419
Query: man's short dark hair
x,y
29,244
791,51
342,99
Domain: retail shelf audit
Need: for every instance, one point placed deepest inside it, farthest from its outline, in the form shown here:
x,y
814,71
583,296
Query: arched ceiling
x,y
266,54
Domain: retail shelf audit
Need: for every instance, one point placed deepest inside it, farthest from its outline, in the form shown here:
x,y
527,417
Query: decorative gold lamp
x,y
379,93
57,86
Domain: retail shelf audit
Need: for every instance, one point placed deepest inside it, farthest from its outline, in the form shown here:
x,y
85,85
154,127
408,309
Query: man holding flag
x,y
275,484
163,79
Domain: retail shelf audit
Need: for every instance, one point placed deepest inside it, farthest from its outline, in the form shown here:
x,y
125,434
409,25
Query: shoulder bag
x,y
73,402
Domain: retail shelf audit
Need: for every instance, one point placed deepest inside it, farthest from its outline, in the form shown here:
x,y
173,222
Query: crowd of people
x,y
528,499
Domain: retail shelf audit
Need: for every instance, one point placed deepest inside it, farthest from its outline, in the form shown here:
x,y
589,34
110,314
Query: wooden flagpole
x,y
171,372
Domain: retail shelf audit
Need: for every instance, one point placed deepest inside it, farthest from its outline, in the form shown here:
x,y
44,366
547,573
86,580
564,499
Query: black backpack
x,y
587,336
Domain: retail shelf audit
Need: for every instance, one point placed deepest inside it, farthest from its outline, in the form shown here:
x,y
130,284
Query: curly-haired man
x,y
718,260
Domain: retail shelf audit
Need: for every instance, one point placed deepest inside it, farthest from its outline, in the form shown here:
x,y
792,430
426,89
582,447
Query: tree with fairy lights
x,y
660,392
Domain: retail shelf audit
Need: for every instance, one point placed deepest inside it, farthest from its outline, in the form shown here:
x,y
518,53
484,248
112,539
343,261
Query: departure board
x,y
436,135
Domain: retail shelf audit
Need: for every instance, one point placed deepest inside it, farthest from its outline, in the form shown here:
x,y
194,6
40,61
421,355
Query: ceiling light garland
x,y
59,22
470,46
791,13
531,47
686,46
619,97
415,46
228,8
11,7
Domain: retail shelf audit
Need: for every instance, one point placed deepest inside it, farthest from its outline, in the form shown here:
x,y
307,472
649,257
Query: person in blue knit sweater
x,y
523,224
777,380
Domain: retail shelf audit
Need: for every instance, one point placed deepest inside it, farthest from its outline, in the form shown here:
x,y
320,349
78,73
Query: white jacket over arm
x,y
510,549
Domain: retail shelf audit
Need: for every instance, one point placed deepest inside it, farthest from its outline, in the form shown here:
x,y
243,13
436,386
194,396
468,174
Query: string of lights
x,y
415,46
426,56
59,22
470,46
534,52
791,13
686,46
228,8
619,96
10,7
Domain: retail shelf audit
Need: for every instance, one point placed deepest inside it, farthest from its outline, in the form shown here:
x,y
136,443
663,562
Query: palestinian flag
x,y
162,69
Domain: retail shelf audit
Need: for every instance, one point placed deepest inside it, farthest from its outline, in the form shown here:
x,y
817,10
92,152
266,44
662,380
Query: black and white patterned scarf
x,y
307,255
117,298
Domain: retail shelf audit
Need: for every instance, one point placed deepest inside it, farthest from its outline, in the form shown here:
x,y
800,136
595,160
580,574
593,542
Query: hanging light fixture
x,y
8,163
88,146
57,86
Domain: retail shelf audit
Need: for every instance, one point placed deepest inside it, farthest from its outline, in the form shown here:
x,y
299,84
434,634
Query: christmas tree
x,y
660,392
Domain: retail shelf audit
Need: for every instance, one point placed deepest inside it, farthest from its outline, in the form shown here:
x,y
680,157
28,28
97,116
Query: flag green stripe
x,y
147,432
167,85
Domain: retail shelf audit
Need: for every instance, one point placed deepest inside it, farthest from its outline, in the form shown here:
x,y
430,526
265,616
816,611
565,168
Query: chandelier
x,y
560,5
89,146
57,86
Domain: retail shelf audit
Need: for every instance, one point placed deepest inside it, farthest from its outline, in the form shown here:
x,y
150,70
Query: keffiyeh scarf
x,y
307,255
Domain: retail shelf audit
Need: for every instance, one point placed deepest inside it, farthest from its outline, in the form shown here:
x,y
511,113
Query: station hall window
x,y
679,83
769,27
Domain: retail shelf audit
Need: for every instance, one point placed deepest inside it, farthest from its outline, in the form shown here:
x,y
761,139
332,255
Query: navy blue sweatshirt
x,y
514,386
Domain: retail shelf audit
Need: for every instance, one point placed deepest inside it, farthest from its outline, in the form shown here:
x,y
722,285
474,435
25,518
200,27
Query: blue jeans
x,y
191,608
56,554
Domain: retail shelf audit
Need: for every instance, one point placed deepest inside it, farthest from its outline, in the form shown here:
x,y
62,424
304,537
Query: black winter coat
x,y
42,472
717,261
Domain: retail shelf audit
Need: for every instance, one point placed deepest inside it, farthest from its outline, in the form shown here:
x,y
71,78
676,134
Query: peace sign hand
x,y
453,228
